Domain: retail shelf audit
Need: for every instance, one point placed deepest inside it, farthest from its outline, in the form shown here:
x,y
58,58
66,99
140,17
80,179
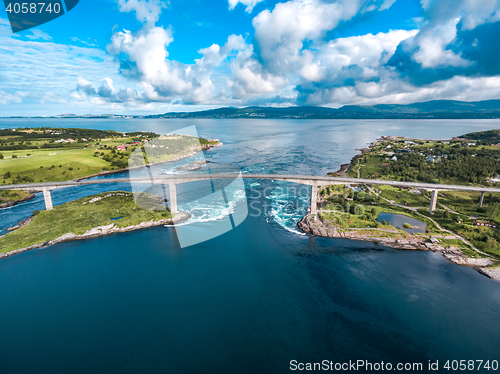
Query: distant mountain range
x,y
437,109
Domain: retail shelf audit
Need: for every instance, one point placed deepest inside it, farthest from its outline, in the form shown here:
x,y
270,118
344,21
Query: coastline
x,y
312,224
110,172
344,167
178,158
315,225
100,231
9,204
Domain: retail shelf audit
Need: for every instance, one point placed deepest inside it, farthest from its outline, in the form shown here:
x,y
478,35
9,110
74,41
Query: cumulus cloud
x,y
163,79
145,10
281,33
455,39
249,78
453,54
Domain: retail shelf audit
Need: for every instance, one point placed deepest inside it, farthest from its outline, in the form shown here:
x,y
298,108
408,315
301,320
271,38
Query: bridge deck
x,y
302,179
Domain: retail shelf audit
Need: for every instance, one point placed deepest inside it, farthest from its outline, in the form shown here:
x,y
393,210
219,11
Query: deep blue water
x,y
253,299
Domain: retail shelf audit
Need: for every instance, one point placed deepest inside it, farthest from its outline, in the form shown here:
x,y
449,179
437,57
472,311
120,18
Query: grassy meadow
x,y
79,216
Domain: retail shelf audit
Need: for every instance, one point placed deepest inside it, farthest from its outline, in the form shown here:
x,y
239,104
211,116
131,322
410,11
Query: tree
x,y
1,156
7,175
491,244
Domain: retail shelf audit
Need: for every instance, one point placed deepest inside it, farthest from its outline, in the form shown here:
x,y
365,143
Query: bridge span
x,y
314,181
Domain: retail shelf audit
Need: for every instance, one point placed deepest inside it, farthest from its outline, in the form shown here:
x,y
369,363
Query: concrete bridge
x,y
314,181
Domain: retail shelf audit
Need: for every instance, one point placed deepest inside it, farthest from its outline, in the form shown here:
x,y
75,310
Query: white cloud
x,y
6,98
281,33
51,97
250,4
392,90
38,34
432,44
147,11
249,78
471,12
368,52
163,79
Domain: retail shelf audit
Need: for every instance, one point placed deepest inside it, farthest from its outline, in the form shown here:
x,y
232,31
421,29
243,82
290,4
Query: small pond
x,y
117,218
400,219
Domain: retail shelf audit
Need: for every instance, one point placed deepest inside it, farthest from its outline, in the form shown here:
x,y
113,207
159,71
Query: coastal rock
x,y
23,223
99,231
493,273
8,204
467,261
313,225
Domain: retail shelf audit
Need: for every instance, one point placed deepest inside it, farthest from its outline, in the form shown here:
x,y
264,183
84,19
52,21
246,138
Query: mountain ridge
x,y
433,109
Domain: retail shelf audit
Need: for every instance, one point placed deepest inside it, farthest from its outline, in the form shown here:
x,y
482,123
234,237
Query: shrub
x,y
1,156
7,175
14,156
35,212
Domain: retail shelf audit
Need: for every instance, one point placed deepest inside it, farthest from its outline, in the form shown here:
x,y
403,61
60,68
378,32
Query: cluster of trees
x,y
117,160
20,139
463,165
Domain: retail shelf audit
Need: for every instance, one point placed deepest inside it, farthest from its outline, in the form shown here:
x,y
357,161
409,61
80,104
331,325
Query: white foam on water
x,y
286,209
213,210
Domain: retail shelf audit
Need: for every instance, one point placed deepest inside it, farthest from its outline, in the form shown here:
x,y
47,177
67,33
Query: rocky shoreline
x,y
100,231
8,204
312,224
344,167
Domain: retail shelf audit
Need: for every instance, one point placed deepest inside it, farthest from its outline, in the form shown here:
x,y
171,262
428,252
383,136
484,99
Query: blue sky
x,y
138,56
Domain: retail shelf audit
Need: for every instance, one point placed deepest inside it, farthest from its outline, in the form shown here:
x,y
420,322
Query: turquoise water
x,y
398,220
253,299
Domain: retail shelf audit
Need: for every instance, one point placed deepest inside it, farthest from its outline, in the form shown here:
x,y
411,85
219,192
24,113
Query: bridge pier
x,y
432,206
173,198
314,198
481,200
48,198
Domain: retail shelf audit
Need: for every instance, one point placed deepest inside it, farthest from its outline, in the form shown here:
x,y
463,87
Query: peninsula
x,y
48,154
91,216
464,225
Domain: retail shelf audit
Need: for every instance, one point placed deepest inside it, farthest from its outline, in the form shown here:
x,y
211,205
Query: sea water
x,y
253,299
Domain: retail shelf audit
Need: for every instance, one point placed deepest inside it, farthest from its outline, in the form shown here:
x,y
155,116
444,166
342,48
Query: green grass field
x,y
53,165
12,195
461,201
72,160
77,217
402,196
